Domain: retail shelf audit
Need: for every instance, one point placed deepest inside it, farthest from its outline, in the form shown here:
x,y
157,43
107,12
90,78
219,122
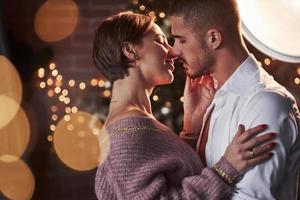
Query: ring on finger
x,y
252,153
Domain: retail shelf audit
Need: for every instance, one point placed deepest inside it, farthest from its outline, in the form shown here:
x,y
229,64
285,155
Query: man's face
x,y
191,49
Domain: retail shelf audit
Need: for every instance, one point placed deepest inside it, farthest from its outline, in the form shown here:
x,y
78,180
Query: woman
x,y
146,159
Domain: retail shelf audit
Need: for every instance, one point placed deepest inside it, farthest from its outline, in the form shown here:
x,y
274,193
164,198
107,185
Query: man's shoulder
x,y
272,98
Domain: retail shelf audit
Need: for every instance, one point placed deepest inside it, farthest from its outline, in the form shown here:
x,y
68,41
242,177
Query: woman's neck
x,y
128,95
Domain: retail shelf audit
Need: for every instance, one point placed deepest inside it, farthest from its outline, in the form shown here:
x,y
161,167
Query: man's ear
x,y
129,51
213,38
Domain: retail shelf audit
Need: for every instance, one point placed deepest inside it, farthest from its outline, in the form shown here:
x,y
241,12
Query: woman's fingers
x,y
253,142
259,159
250,133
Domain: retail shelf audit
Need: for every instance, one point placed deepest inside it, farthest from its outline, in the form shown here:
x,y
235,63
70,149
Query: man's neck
x,y
227,62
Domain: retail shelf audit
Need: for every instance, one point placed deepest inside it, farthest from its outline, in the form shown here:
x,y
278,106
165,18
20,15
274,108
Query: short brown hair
x,y
109,37
204,14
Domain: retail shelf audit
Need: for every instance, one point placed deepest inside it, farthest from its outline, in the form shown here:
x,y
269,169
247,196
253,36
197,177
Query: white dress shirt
x,y
251,97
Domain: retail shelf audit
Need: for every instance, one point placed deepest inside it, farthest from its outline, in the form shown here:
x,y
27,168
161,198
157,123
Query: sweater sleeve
x,y
140,173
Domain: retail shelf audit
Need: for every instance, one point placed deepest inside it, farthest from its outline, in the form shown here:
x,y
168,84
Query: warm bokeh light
x,y
298,70
267,61
54,108
135,2
50,81
75,143
65,92
67,100
155,98
94,82
42,84
152,13
162,15
57,90
82,85
56,20
41,73
71,83
107,84
50,138
54,117
297,81
52,66
10,91
168,104
8,110
58,83
107,93
74,109
51,93
52,127
101,83
54,72
181,99
165,110
14,137
59,78
17,180
68,110
142,7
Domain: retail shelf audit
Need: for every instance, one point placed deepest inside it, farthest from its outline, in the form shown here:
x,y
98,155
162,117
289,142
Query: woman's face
x,y
156,58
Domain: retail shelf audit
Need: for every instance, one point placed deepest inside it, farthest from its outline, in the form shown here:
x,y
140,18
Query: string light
x,y
181,99
267,61
162,15
54,108
142,7
135,2
297,81
155,98
52,66
298,70
52,127
54,72
94,82
41,73
54,117
82,85
101,83
50,81
65,92
106,93
71,83
152,13
50,93
57,90
50,138
74,109
59,78
67,118
68,110
42,84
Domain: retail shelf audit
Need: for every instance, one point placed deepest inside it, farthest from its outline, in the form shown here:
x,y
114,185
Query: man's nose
x,y
171,53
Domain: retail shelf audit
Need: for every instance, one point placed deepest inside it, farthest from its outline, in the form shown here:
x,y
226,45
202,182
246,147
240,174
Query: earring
x,y
135,56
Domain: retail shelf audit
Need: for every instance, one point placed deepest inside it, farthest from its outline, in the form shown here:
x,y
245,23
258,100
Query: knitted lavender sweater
x,y
148,161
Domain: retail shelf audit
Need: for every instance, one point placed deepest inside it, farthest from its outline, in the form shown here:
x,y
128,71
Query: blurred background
x,y
53,101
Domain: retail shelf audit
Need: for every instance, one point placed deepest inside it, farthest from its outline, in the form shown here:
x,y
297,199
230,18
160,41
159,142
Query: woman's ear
x,y
213,39
129,51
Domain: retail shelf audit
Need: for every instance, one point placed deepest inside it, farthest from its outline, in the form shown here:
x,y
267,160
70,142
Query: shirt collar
x,y
244,77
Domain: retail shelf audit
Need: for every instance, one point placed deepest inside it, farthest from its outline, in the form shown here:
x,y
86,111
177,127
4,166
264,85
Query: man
x,y
208,40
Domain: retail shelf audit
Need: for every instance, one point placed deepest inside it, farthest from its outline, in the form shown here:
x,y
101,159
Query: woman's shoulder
x,y
130,122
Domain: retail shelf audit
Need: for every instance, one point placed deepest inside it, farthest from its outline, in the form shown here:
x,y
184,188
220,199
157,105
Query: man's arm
x,y
278,112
